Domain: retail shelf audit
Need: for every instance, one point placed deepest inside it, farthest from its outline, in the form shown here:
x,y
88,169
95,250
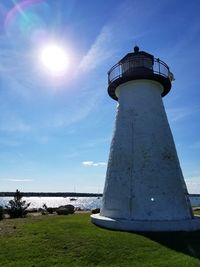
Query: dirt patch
x,y
9,226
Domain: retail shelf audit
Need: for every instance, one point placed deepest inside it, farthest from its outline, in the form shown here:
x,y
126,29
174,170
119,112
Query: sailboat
x,y
73,198
98,193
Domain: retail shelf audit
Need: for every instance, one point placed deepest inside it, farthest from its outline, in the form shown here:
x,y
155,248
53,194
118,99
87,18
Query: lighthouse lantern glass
x,y
135,62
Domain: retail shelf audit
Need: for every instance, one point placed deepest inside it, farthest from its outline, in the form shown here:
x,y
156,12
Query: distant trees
x,y
17,208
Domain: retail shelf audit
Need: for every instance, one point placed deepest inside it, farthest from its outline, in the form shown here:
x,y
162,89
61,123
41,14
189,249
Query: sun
x,y
54,59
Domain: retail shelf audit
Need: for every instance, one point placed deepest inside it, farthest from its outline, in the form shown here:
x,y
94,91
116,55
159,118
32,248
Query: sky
x,y
55,131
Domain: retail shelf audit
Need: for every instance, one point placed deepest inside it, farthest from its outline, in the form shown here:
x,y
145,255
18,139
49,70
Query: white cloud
x,y
193,184
19,180
177,114
60,119
110,38
99,51
93,164
87,163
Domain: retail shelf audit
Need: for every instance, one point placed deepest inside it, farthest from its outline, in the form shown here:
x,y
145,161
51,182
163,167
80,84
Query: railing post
x,y
159,65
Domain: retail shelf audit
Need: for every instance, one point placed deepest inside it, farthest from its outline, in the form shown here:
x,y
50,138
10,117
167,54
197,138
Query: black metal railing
x,y
156,66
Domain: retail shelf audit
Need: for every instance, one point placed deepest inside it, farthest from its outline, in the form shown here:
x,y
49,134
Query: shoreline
x,y
51,194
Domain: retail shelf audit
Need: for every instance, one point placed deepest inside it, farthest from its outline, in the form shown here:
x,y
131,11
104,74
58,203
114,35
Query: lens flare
x,y
19,8
27,18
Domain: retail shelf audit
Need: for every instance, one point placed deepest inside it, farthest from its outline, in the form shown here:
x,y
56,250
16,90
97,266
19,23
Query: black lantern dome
x,y
139,65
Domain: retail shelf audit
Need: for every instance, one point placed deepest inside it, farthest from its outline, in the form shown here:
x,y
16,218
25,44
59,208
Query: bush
x,y
1,212
17,207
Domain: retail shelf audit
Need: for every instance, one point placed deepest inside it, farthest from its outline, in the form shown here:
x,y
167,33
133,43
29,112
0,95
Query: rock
x,y
94,211
65,210
78,209
40,210
44,212
33,210
51,210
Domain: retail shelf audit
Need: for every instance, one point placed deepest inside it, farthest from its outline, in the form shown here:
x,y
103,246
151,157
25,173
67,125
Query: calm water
x,y
82,202
38,202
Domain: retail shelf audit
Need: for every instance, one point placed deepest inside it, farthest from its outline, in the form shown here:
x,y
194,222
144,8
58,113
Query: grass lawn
x,y
73,241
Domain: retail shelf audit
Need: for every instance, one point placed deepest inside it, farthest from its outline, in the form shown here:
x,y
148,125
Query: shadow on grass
x,y
185,242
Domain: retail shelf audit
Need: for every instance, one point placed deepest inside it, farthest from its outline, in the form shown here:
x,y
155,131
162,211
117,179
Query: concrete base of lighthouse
x,y
187,225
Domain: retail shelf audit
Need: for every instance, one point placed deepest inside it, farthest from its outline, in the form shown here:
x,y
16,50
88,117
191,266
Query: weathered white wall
x,y
144,180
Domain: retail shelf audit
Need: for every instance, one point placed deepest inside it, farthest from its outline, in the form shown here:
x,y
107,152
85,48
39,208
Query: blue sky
x,y
55,133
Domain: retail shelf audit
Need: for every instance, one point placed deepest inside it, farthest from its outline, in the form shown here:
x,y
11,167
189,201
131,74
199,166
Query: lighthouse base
x,y
147,226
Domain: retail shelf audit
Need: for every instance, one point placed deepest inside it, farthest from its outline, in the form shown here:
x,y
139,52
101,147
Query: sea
x,y
85,203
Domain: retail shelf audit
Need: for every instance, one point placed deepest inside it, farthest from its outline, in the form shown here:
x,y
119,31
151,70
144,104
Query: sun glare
x,y
54,59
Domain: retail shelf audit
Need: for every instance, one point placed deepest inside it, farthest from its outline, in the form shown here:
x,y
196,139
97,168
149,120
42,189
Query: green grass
x,y
73,241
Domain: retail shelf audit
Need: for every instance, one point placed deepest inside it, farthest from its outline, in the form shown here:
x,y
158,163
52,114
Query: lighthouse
x,y
144,188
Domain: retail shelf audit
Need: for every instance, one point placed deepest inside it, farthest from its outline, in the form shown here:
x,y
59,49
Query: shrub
x,y
17,207
1,212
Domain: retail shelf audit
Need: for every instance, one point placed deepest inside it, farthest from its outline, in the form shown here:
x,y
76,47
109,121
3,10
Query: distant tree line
x,y
51,194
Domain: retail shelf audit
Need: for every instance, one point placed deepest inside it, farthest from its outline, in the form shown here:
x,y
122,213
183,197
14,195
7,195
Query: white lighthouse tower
x,y
144,188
